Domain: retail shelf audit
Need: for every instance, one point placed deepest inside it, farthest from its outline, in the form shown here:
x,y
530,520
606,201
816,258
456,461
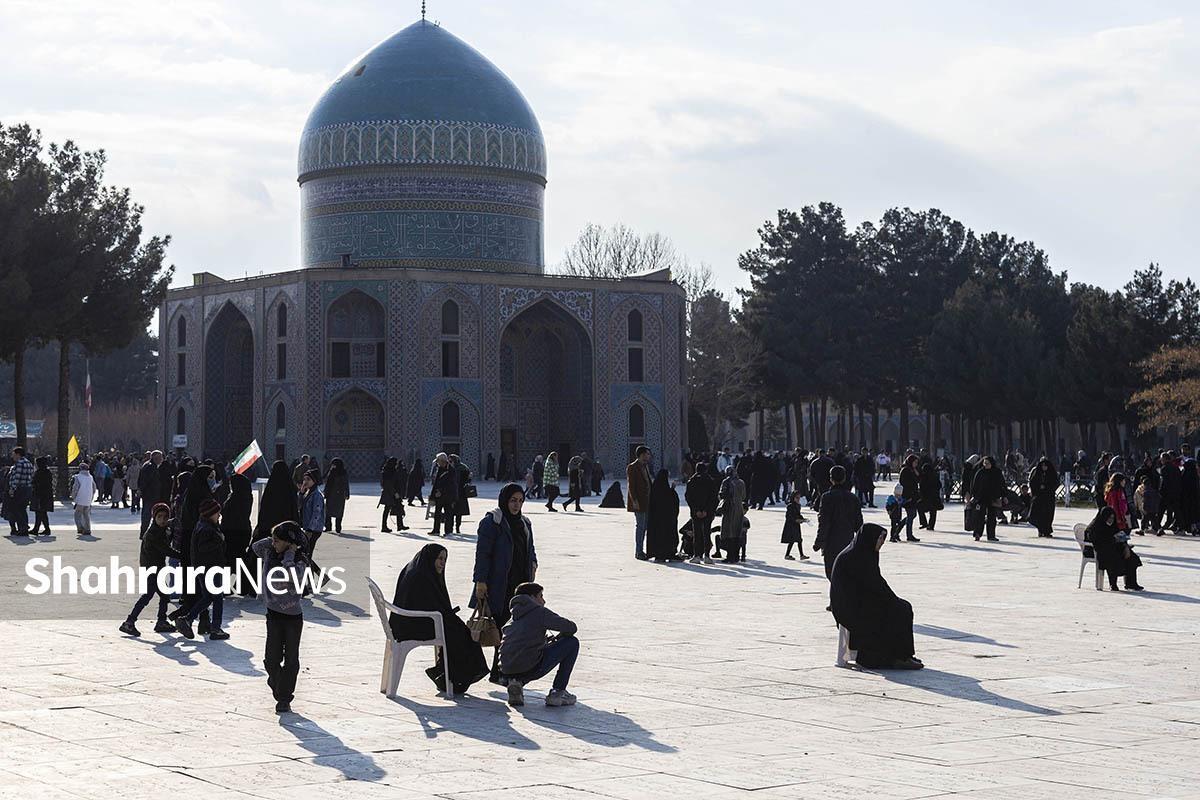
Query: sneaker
x,y
707,560
804,558
163,627
695,560
283,707
516,693
128,629
216,634
789,558
557,698
913,539
184,628
641,556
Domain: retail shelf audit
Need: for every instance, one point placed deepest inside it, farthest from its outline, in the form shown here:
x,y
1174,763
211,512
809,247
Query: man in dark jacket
x,y
638,478
818,475
840,515
864,478
150,487
443,493
155,550
701,497
1171,488
910,483
525,652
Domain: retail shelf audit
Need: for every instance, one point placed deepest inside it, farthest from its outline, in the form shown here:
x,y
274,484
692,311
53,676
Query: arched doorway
x,y
228,385
546,385
354,432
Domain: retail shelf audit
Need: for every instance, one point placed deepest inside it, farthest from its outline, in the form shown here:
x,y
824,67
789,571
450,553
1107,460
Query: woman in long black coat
x,y
929,495
879,622
278,501
1043,487
987,493
662,520
337,492
1188,514
235,524
1114,554
42,498
416,482
422,587
391,495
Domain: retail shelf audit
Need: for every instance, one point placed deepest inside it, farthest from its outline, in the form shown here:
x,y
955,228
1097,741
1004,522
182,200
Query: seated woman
x,y
1113,552
422,587
879,622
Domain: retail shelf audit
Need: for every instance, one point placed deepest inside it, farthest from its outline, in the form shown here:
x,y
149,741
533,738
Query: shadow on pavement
x,y
959,687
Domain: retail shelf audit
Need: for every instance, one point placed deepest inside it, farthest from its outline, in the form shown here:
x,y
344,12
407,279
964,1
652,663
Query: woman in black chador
x,y
879,622
1043,486
278,501
662,521
1113,552
422,587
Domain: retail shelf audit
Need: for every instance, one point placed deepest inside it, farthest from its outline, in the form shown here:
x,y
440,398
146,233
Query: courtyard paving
x,y
694,682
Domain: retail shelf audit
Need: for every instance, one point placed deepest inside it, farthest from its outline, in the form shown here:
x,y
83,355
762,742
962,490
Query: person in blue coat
x,y
504,558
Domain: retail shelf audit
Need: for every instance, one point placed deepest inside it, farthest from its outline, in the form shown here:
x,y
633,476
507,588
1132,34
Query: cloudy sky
x,y
1070,123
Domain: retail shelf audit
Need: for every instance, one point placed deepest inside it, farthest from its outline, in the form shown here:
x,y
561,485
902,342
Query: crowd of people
x,y
198,513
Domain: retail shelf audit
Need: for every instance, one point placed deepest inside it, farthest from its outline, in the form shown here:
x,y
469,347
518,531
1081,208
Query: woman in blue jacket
x,y
504,558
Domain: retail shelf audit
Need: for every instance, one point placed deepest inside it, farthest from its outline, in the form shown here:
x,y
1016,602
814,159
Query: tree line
x,y
919,309
76,268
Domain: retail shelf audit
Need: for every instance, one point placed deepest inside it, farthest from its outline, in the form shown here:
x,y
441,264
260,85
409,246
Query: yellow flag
x,y
72,450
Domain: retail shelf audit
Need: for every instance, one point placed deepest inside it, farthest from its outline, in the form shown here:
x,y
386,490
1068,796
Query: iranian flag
x,y
247,457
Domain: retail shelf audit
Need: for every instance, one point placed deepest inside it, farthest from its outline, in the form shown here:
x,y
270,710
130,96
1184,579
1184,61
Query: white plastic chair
x,y
844,654
395,652
1084,544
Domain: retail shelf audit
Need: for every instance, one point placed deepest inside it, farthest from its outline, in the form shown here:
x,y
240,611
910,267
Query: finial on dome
x,y
422,9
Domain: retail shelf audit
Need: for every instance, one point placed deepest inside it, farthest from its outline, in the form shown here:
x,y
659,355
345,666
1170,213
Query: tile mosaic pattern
x,y
409,142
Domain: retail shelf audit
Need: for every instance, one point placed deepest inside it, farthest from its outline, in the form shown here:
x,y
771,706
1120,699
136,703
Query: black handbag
x,y
470,490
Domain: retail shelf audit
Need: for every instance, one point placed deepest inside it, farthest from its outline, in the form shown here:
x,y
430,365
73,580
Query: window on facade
x,y
181,332
450,359
280,419
635,326
451,425
180,421
355,328
637,421
181,369
450,318
339,359
636,368
281,321
281,360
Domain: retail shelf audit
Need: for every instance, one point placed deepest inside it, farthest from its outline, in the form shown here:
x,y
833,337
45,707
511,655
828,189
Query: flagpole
x,y
87,367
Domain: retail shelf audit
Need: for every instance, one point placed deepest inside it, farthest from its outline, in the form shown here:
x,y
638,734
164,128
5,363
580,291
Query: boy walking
x,y
282,563
156,549
525,652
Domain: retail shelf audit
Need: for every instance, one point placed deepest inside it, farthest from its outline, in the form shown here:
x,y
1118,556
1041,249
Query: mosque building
x,y
421,318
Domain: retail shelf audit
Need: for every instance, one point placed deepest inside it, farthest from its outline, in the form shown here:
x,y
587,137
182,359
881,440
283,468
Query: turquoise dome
x,y
422,96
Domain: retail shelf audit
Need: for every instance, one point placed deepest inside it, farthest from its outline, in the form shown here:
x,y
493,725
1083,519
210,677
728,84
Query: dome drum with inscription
x,y
423,154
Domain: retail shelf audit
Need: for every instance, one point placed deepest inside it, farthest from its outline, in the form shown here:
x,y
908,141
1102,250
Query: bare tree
x,y
618,252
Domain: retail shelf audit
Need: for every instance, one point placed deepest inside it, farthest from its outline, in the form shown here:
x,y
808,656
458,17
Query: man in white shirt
x,y
83,489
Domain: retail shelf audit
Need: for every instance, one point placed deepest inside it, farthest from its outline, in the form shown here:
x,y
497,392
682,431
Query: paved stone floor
x,y
697,682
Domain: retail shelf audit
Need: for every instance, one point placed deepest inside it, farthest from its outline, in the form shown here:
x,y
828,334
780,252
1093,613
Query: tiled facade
x,y
542,357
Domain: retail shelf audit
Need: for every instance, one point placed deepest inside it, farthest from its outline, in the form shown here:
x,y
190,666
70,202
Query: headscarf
x,y
1106,518
278,502
505,493
336,467
420,588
